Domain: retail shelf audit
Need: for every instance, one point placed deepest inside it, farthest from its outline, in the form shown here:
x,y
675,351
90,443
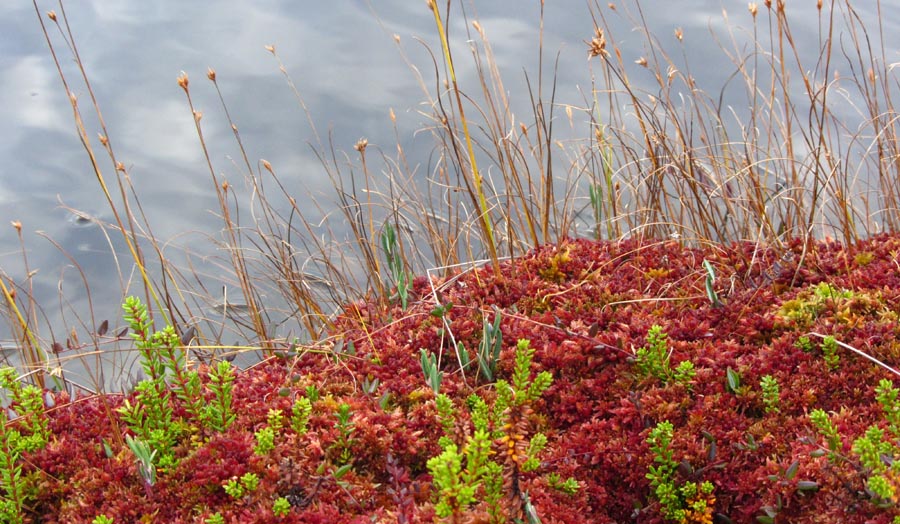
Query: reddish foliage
x,y
586,307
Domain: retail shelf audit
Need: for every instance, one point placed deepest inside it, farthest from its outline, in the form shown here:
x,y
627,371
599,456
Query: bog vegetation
x,y
717,346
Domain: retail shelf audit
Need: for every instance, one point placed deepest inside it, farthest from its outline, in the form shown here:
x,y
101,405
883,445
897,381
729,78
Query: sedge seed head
x,y
51,15
597,45
183,80
18,225
753,9
211,74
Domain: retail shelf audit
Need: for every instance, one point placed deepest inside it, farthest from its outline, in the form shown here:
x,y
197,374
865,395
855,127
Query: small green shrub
x,y
653,360
770,393
300,412
281,507
687,503
238,488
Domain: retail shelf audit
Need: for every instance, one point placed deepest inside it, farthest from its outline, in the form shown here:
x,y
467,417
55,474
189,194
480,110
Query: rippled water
x,y
345,62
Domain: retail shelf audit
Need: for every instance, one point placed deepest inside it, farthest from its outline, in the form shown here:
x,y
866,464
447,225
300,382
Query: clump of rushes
x,y
688,503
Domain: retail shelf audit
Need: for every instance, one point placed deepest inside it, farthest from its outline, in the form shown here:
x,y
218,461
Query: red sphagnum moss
x,y
586,307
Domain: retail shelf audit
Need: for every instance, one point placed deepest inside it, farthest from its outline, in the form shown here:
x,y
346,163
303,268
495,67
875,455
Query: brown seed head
x,y
597,45
18,225
268,166
396,38
211,74
753,9
225,186
103,139
642,61
361,145
197,115
51,15
819,5
768,4
392,116
679,34
271,49
183,80
611,5
120,167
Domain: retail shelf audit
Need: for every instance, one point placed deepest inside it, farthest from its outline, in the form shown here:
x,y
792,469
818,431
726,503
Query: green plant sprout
x,y
281,507
770,393
473,472
27,402
733,382
710,280
687,503
340,449
653,360
218,414
312,393
238,488
391,248
145,459
877,454
430,369
568,486
489,348
827,429
829,352
265,437
215,518
102,519
300,412
14,490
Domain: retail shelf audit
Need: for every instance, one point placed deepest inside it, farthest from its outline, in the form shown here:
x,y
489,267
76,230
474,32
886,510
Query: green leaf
x,y
733,379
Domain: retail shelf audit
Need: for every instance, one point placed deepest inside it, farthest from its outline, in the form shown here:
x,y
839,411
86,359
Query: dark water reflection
x,y
345,63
